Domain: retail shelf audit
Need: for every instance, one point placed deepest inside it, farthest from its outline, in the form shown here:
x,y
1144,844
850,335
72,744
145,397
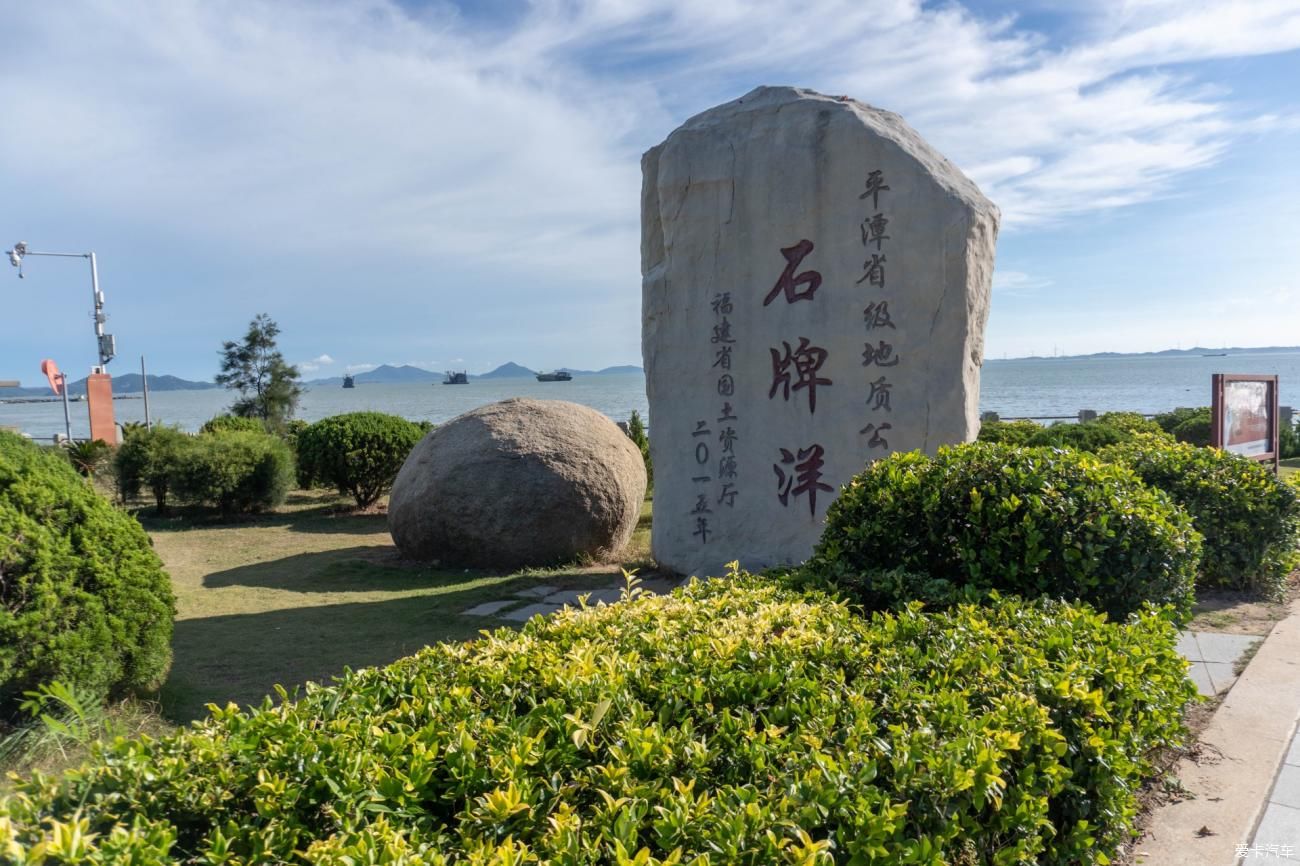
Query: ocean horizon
x,y
1040,388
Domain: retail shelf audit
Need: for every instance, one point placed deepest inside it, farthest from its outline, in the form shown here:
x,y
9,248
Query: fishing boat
x,y
349,382
557,376
454,378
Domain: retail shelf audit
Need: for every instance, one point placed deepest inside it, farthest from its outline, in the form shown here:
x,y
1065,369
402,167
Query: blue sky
x,y
458,186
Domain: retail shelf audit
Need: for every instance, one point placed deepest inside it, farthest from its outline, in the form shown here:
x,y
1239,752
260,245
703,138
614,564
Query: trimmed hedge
x,y
1190,425
235,472
1009,432
1029,521
1108,429
359,453
1091,436
233,424
1249,519
1130,422
83,598
733,722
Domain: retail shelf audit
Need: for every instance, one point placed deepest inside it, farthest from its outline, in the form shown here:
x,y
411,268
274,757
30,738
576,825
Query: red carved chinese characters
x,y
789,283
803,477
803,362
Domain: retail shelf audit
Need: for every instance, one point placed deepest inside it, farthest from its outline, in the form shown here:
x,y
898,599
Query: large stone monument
x,y
815,289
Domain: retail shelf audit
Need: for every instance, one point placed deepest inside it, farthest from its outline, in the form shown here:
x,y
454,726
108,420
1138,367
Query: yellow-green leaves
x,y
733,722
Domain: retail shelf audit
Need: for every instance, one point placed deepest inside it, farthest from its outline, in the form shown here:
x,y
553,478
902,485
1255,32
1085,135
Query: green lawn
x,y
300,594
1290,466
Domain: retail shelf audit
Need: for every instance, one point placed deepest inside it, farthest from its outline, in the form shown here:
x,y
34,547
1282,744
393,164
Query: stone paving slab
x,y
536,592
1223,648
488,608
1187,647
594,596
1222,675
1286,790
1279,829
1293,756
529,611
1201,677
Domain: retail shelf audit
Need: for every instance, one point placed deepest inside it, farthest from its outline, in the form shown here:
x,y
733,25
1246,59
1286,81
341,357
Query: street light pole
x,y
99,385
104,343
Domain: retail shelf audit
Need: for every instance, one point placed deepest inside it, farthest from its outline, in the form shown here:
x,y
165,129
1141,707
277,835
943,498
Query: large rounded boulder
x,y
520,482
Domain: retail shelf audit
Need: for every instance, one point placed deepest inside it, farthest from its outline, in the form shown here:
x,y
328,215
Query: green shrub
x,y
233,424
1195,431
154,459
1029,521
359,453
1248,518
83,598
1130,422
636,432
1190,425
1288,441
236,472
1091,436
1009,432
733,722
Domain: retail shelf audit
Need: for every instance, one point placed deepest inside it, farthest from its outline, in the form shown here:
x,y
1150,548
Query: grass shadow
x,y
371,568
241,657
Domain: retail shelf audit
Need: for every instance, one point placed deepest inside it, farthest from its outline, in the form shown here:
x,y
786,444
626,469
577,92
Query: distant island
x,y
1195,351
387,374
127,383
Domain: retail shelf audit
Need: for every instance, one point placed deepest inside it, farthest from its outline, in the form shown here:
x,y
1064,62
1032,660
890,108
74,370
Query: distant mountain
x,y
128,383
390,375
131,384
1194,352
508,370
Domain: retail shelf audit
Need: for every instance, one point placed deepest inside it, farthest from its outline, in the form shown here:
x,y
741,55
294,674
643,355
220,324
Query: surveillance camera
x,y
15,259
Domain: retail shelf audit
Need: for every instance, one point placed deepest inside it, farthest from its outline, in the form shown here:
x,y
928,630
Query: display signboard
x,y
1245,416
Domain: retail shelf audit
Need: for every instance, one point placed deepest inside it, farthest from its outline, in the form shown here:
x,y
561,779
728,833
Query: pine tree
x,y
267,385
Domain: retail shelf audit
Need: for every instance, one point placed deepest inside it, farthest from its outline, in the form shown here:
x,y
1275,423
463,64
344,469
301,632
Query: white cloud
x,y
360,368
1017,282
315,364
503,158
355,127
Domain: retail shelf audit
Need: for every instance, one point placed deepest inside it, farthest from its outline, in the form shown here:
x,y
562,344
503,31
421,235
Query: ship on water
x,y
455,378
557,376
349,382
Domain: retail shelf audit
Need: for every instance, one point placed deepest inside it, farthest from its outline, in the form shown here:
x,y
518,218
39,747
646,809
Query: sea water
x,y
1038,388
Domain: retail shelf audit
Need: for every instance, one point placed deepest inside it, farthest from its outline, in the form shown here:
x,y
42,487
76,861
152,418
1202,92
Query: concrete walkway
x,y
1243,788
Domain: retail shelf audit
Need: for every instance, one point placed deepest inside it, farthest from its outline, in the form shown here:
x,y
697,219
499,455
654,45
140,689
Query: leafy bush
x,y
233,424
1029,521
1009,432
1288,441
360,453
636,432
1190,425
1090,436
1249,519
733,722
83,599
154,459
1130,422
236,472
